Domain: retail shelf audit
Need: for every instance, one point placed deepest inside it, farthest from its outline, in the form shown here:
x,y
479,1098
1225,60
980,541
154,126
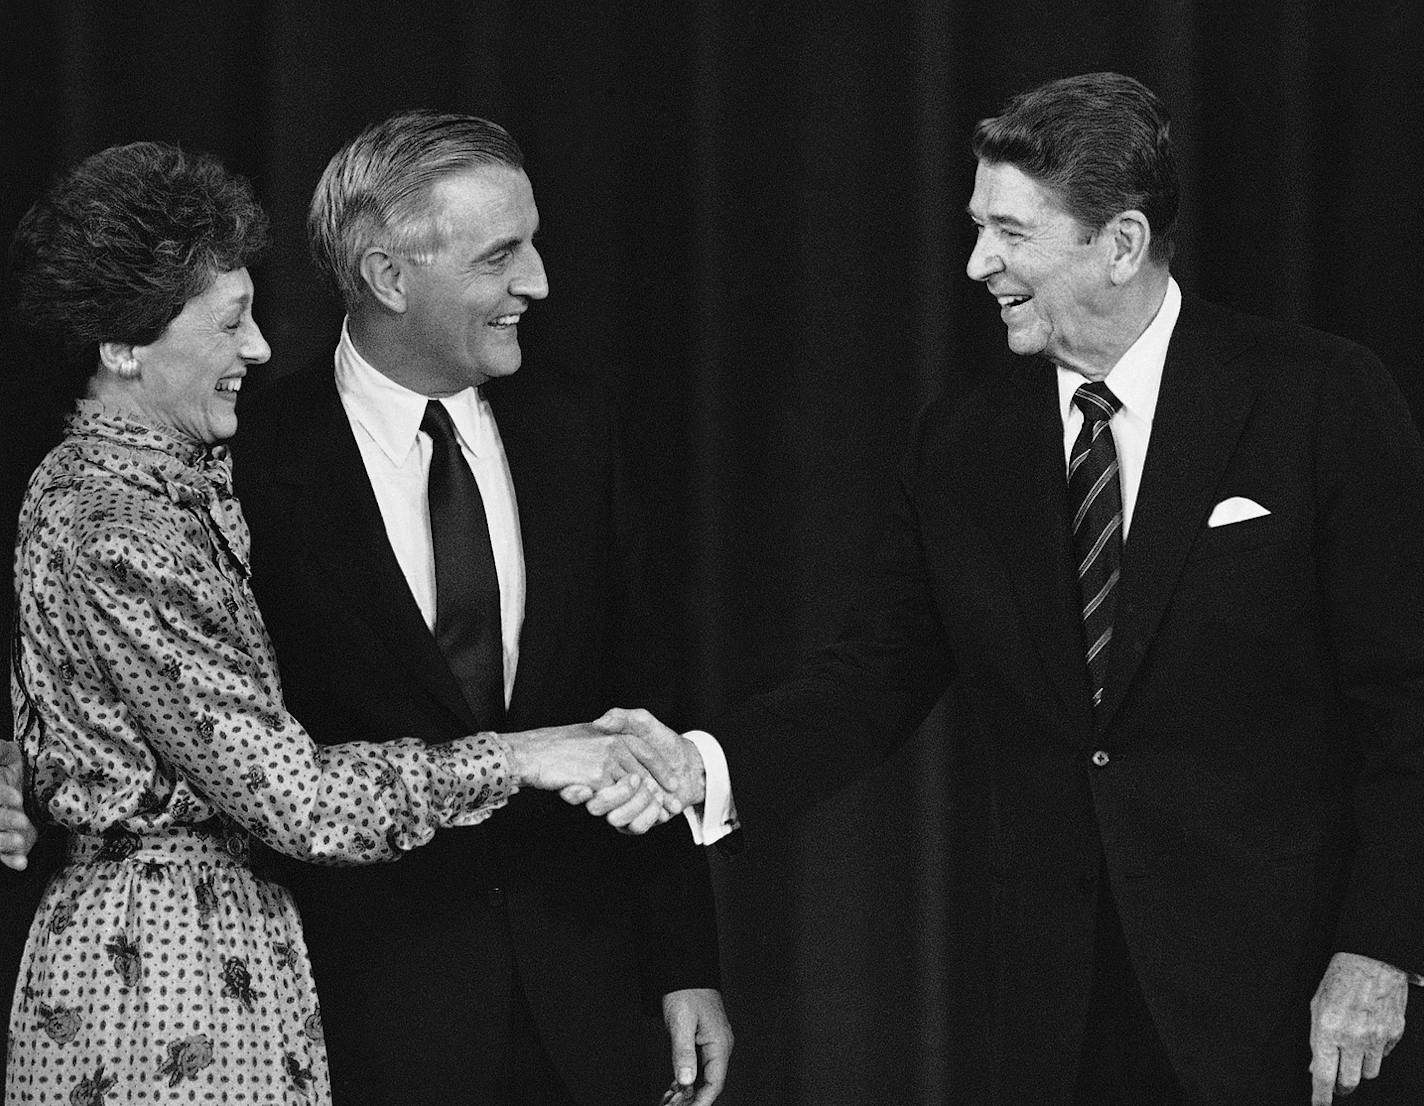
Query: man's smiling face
x,y
1048,272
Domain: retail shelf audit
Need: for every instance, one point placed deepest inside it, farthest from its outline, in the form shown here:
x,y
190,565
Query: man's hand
x,y
17,832
675,750
562,758
1356,1017
701,1040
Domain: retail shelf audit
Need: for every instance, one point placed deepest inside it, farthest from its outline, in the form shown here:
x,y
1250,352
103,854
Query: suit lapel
x,y
348,540
1201,410
526,449
1025,498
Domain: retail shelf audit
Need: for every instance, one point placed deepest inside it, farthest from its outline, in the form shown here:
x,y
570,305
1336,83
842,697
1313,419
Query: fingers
x,y
1323,1067
613,797
654,814
612,721
1373,1061
1347,1074
11,801
639,814
654,761
576,794
714,1074
14,848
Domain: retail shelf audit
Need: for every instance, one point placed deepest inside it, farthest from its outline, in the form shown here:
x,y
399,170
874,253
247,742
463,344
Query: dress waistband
x,y
228,846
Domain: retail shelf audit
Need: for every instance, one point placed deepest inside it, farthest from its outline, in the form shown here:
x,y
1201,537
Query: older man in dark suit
x,y
434,545
1170,570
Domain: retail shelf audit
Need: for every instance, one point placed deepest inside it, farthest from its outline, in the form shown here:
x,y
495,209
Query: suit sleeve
x,y
674,910
854,702
1371,569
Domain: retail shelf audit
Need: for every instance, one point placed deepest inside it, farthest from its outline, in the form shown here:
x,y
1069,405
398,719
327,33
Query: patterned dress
x,y
147,700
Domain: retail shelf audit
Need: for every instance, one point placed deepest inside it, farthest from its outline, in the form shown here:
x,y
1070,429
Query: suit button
x,y
495,896
1100,758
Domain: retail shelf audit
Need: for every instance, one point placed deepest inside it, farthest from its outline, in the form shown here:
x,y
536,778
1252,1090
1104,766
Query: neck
x,y
380,341
1132,314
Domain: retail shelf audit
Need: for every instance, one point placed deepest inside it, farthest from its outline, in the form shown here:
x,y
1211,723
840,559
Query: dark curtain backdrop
x,y
754,232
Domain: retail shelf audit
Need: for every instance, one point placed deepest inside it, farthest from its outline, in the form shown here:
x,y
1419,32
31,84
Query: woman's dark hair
x,y
1101,142
119,244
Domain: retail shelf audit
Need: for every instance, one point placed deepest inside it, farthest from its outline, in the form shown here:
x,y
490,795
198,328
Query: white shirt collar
x,y
391,413
1137,377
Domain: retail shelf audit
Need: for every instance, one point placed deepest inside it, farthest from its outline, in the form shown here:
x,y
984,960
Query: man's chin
x,y
1025,345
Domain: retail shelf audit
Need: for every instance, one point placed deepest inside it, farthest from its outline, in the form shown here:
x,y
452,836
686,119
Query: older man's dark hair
x,y
119,244
1100,142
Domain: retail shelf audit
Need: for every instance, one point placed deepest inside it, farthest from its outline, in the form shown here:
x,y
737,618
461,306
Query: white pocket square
x,y
1236,509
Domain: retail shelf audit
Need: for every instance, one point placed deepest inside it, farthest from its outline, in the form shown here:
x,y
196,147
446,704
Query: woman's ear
x,y
119,358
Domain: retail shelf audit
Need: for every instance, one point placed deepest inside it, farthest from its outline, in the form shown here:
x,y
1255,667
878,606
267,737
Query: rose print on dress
x,y
62,918
301,1077
237,982
125,957
61,1023
286,955
118,845
186,1058
208,904
93,1090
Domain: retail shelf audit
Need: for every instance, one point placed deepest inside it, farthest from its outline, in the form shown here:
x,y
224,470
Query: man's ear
x,y
1130,235
119,358
385,276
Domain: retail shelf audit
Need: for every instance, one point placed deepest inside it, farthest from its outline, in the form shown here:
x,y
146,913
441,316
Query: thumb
x,y
614,720
682,1029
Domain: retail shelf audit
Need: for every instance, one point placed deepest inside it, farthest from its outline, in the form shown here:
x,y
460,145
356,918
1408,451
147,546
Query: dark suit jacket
x,y
599,922
1262,800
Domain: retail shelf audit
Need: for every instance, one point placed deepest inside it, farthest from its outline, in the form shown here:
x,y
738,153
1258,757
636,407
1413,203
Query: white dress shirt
x,y
385,418
1135,380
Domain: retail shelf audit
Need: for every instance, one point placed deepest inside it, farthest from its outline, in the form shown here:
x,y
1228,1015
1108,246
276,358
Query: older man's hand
x,y
1357,1016
585,756
688,789
17,832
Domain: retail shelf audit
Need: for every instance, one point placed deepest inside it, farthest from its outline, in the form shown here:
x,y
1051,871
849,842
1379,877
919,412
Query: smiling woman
x,y
188,379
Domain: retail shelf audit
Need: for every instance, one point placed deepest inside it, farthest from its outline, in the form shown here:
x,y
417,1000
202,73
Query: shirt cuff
x,y
716,816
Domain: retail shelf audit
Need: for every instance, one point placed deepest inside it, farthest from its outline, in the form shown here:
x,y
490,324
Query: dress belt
x,y
210,843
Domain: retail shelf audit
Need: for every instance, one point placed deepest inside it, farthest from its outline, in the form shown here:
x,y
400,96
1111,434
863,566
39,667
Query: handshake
x,y
625,767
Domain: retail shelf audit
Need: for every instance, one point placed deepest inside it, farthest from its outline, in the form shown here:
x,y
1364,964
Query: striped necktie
x,y
1095,497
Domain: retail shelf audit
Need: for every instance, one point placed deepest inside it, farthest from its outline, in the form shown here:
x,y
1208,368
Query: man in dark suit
x,y
1186,681
507,963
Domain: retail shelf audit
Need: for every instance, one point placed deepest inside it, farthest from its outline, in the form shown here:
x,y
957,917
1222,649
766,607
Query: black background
x,y
754,233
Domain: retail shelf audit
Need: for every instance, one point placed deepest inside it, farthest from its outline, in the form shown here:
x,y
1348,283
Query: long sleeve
x,y
155,672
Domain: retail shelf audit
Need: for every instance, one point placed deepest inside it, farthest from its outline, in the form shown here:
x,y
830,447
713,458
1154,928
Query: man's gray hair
x,y
376,190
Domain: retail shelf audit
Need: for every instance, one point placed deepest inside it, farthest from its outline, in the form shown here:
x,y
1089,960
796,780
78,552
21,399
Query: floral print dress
x,y
147,701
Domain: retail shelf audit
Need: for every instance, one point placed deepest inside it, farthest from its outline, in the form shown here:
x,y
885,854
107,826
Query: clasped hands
x,y
625,767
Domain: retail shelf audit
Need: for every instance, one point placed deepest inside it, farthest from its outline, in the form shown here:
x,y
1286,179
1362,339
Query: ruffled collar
x,y
187,469
163,460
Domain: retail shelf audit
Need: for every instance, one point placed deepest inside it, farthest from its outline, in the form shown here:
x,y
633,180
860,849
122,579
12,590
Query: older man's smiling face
x,y
1048,272
465,303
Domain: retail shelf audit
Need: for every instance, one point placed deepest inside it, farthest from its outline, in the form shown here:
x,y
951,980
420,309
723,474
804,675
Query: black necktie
x,y
467,623
1095,498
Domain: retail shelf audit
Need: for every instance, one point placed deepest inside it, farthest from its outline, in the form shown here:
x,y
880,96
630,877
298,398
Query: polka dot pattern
x,y
149,708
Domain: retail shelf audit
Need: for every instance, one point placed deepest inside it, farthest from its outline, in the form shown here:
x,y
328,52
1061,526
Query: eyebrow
x,y
998,220
508,242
